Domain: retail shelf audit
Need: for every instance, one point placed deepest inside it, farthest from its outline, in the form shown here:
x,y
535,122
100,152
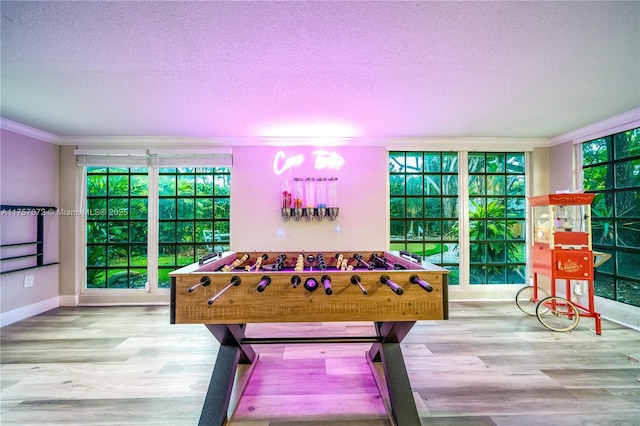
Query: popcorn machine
x,y
561,250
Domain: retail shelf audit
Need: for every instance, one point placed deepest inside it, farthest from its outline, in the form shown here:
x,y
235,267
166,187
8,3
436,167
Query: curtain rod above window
x,y
193,157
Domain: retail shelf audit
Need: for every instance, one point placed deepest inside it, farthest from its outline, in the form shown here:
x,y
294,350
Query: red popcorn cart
x,y
561,250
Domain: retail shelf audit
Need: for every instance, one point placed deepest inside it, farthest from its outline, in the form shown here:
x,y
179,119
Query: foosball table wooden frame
x,y
227,291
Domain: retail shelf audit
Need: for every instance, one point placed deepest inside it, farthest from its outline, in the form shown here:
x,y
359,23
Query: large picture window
x,y
194,211
116,233
424,207
611,170
186,209
425,216
497,205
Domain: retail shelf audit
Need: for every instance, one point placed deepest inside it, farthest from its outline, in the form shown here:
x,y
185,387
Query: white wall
x,y
561,167
256,220
70,229
28,176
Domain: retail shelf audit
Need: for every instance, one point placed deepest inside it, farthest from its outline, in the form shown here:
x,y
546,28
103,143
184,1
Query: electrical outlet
x,y
28,281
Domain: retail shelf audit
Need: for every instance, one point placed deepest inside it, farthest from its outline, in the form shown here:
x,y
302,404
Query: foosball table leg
x,y
231,353
389,354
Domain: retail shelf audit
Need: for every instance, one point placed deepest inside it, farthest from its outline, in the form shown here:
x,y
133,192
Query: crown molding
x,y
31,132
467,144
618,123
138,141
222,143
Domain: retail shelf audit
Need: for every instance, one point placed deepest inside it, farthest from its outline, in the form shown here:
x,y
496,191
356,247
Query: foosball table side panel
x,y
280,301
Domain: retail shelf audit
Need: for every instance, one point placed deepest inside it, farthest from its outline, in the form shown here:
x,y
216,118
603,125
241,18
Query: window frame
x,y
200,243
152,159
443,241
607,275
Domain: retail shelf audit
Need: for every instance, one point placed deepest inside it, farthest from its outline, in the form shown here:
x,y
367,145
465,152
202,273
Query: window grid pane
x,y
611,170
424,200
116,230
194,213
497,198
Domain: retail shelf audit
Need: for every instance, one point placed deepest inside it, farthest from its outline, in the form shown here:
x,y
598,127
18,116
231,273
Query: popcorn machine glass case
x,y
557,220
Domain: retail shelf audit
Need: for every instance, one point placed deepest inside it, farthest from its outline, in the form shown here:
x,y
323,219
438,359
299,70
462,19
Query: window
x,y
611,170
194,211
424,207
497,204
151,212
117,227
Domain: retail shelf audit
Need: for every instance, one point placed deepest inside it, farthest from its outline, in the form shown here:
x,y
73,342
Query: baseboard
x,y
28,311
620,313
69,301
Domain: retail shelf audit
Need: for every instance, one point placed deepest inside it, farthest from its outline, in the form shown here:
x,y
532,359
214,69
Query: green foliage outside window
x,y
193,220
496,218
424,206
117,213
611,170
193,212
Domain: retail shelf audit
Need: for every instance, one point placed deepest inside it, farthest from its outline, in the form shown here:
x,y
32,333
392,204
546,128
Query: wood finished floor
x,y
488,365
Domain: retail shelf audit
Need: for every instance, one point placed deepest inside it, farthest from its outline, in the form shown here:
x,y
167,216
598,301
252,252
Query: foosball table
x,y
227,291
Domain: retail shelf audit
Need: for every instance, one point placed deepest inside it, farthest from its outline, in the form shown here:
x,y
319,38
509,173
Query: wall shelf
x,y
37,212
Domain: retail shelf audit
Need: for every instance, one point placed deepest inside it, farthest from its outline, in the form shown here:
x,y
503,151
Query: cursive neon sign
x,y
322,159
327,160
282,163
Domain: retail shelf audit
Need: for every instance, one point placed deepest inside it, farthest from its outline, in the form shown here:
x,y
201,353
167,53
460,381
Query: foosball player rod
x,y
235,281
204,282
296,280
258,263
345,265
375,258
326,282
277,266
235,264
355,280
385,279
264,282
414,279
358,258
322,265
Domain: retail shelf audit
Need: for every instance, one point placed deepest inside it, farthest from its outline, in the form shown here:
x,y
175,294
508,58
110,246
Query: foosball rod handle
x,y
204,282
296,280
310,284
326,282
414,279
385,279
235,281
264,282
355,280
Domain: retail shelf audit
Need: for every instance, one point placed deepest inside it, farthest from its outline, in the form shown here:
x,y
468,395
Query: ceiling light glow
x,y
308,134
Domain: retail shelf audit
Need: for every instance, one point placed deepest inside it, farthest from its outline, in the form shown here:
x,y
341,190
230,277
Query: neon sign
x,y
328,160
323,159
281,163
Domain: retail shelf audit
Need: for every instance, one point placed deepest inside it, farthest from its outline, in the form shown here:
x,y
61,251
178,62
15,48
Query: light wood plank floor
x,y
488,365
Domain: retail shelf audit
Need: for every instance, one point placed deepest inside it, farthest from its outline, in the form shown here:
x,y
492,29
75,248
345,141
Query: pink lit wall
x,y
256,220
29,175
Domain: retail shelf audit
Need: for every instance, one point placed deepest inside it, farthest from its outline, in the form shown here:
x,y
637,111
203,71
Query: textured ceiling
x,y
362,69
